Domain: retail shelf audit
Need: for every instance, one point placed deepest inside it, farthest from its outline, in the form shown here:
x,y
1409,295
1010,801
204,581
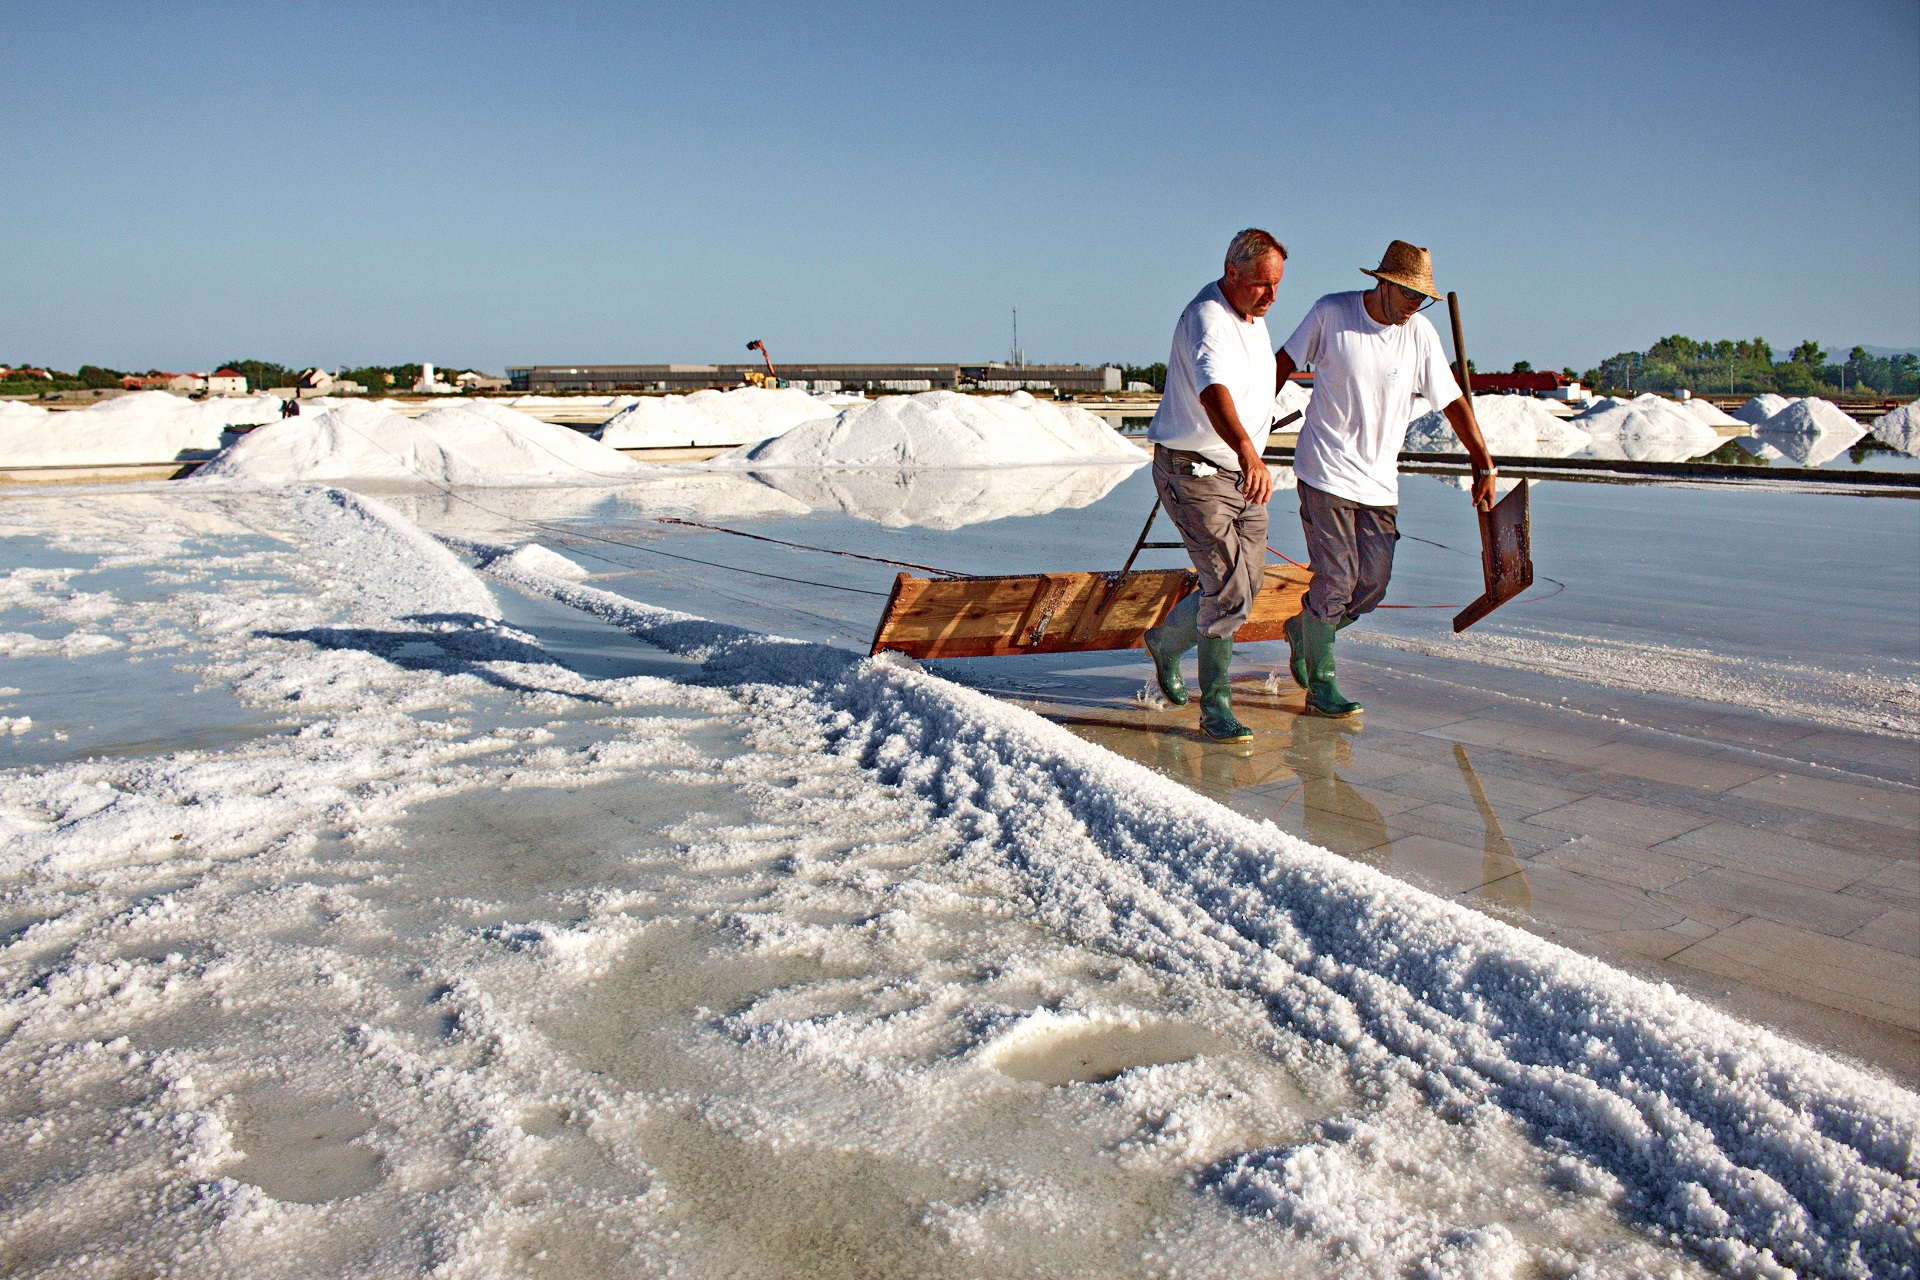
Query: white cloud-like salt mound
x,y
1515,426
534,558
947,429
147,426
744,415
1293,398
1710,413
1646,428
456,446
1898,428
948,498
1811,431
1760,408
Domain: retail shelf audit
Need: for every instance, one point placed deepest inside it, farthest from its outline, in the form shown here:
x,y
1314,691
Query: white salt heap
x,y
1811,431
744,415
474,444
1898,428
1646,428
1710,413
1760,408
147,426
947,429
1293,398
1514,426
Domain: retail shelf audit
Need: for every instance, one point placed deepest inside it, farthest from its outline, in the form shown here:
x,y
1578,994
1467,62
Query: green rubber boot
x,y
1297,662
1323,696
1216,694
1169,642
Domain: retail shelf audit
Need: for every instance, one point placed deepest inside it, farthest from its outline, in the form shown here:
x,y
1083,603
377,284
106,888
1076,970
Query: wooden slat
x,y
1057,612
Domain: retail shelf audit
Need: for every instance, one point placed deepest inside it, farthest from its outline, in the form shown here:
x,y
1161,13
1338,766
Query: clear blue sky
x,y
488,184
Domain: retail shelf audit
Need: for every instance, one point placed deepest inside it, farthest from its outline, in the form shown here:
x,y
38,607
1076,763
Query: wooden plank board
x,y
1057,612
1506,556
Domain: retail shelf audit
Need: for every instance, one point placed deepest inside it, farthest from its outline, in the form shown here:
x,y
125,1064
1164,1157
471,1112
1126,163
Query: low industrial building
x,y
682,378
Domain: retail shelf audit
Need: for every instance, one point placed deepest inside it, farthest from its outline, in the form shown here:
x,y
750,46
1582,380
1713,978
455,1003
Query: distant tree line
x,y
1680,363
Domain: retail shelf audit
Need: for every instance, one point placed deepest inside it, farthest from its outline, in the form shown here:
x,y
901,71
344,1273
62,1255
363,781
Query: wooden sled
x,y
1059,612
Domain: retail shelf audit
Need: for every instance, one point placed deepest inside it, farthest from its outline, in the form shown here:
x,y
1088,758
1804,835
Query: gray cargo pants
x,y
1350,548
1224,534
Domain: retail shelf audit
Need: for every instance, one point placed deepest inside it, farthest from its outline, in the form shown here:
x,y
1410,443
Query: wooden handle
x,y
1459,347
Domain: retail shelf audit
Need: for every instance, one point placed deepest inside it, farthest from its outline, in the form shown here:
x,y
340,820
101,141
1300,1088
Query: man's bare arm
x,y
1467,427
1283,368
1255,480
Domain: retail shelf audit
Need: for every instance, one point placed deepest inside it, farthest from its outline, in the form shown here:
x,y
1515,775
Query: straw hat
x,y
1408,265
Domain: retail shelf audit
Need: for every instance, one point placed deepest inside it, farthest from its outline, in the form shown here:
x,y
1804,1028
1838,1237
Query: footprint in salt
x,y
302,1151
1095,1052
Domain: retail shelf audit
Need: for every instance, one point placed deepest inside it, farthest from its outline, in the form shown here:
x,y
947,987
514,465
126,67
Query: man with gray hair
x,y
1207,439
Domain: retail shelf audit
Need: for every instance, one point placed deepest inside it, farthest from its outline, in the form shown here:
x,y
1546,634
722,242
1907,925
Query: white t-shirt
x,y
1365,376
1213,346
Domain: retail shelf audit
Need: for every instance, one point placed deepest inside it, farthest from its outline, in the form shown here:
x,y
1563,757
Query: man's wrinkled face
x,y
1251,289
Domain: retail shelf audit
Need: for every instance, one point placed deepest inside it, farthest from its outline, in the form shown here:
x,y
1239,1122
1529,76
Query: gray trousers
x,y
1224,534
1350,548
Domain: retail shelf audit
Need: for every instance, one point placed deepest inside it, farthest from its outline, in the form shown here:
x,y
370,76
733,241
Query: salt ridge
x,y
146,426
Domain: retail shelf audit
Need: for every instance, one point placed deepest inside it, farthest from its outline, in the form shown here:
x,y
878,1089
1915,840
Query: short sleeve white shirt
x,y
1213,346
1365,376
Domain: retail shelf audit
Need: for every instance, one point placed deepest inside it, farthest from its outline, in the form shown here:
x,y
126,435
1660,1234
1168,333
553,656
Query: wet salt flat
x,y
473,934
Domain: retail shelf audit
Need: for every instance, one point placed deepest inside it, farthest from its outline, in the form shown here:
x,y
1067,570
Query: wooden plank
x,y
1506,556
1058,612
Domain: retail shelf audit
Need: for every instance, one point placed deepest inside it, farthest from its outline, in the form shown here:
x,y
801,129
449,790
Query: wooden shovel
x,y
1506,536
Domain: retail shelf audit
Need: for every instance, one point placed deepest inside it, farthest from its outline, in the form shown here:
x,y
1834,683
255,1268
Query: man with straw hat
x,y
1372,352
1207,437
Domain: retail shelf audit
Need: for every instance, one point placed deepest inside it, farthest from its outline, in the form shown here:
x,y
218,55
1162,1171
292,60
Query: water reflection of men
x,y
1372,352
1337,817
1207,438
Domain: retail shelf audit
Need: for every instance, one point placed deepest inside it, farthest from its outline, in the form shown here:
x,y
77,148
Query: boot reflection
x,y
1337,817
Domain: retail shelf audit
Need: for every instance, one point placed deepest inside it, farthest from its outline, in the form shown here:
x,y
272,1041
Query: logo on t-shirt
x,y
1393,374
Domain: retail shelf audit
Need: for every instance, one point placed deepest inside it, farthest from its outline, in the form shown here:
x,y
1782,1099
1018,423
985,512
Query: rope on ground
x,y
801,546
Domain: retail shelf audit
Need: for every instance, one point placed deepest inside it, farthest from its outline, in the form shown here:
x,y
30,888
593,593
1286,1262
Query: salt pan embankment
x,y
950,497
1514,426
947,429
743,415
474,444
147,426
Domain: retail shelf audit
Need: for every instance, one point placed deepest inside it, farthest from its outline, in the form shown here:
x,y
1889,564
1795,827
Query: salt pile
x,y
1897,428
1710,413
745,415
1646,428
1811,431
1293,398
147,426
952,498
1760,408
476,444
947,429
1514,426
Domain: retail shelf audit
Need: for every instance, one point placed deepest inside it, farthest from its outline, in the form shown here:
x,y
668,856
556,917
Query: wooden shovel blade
x,y
1506,555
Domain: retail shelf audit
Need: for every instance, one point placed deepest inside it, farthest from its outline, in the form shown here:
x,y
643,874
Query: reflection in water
x,y
1337,817
1501,877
